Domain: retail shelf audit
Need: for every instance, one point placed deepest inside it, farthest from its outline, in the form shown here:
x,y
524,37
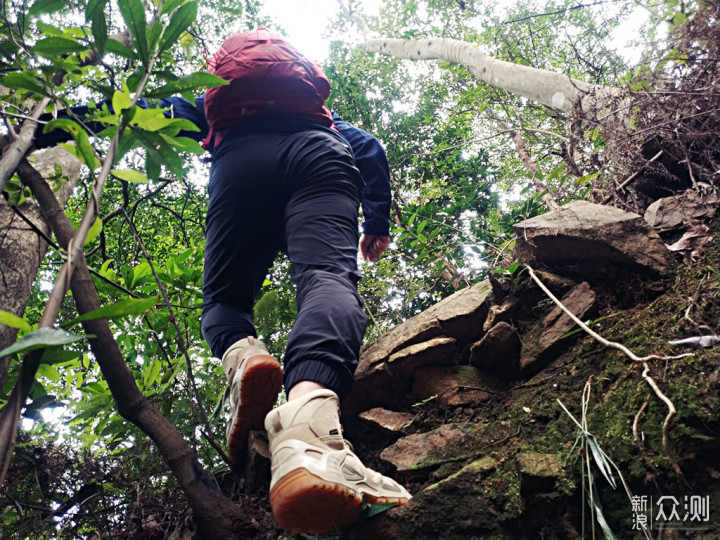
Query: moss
x,y
459,501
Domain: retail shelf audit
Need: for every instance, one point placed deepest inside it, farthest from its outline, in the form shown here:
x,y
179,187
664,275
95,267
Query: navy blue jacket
x,y
369,155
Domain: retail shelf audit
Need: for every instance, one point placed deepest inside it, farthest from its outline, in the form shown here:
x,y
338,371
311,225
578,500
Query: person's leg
x,y
321,233
244,233
318,483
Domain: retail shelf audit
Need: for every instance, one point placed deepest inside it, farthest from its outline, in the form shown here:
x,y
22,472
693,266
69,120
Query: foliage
x,y
458,189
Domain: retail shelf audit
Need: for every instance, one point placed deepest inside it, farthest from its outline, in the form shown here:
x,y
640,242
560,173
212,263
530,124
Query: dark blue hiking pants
x,y
296,192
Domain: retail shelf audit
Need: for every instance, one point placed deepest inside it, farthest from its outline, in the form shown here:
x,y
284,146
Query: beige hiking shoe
x,y
255,380
318,483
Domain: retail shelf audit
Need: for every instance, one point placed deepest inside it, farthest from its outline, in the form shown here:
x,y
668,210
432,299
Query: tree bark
x,y
551,89
22,249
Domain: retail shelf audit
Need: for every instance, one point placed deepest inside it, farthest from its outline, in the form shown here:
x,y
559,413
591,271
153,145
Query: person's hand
x,y
372,246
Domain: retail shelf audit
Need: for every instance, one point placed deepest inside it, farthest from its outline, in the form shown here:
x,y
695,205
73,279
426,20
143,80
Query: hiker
x,y
288,175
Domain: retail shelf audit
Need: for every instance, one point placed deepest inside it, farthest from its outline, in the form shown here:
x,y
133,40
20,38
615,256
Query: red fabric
x,y
268,77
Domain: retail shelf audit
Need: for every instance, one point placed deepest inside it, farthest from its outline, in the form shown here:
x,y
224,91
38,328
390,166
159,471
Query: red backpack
x,y
268,77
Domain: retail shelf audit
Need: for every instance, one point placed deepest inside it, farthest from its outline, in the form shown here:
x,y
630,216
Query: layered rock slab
x,y
592,240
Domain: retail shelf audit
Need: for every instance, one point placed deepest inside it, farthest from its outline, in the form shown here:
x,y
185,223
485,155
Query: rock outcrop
x,y
592,240
460,403
477,350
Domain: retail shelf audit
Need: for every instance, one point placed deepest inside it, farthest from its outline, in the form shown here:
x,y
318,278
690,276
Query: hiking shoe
x,y
255,380
318,483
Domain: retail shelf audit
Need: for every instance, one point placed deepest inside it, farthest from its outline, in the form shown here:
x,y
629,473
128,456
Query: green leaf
x,y
54,46
126,306
121,100
115,47
133,13
156,145
48,371
594,497
80,137
375,509
601,460
170,5
94,231
150,119
193,81
24,81
154,34
151,374
13,321
130,175
60,356
41,7
95,15
185,144
180,20
40,339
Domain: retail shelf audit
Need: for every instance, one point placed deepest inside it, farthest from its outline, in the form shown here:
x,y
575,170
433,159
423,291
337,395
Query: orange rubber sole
x,y
259,389
304,503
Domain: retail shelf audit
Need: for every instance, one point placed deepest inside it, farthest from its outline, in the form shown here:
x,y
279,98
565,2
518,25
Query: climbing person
x,y
287,175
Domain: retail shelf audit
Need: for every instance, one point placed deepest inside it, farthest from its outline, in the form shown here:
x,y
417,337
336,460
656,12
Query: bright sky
x,y
305,22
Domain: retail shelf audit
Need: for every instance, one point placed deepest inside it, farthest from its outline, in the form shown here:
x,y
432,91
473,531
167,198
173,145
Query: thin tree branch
x,y
179,337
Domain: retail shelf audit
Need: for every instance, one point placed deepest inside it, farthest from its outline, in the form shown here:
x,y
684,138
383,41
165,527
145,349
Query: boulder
x,y
544,342
498,352
501,313
387,420
669,213
436,351
592,240
459,317
451,385
425,450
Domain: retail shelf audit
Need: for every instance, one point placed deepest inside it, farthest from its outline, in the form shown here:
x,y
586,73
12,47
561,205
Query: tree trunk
x,y
551,89
22,249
